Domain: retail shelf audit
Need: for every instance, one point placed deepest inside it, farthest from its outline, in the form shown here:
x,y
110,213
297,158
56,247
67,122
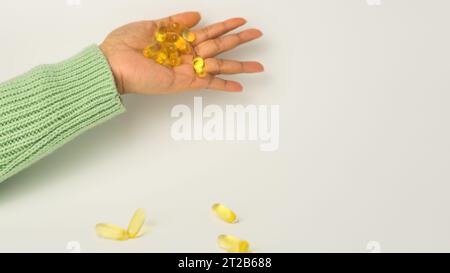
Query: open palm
x,y
136,74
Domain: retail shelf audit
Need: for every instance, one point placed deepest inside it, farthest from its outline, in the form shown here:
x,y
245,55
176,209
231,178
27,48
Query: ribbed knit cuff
x,y
51,104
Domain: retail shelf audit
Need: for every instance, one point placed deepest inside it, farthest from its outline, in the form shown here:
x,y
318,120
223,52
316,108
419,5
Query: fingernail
x,y
262,68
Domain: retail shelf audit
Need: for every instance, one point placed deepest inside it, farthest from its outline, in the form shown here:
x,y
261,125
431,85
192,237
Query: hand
x,y
136,74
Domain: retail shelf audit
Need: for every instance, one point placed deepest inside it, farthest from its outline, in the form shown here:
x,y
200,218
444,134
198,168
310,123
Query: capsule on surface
x,y
136,223
224,213
112,232
233,244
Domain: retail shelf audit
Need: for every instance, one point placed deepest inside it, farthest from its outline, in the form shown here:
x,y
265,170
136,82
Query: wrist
x,y
108,53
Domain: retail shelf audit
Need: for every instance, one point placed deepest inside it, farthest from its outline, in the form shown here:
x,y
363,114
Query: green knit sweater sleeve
x,y
48,106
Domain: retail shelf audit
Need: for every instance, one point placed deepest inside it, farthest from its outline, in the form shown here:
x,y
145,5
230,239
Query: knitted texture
x,y
48,106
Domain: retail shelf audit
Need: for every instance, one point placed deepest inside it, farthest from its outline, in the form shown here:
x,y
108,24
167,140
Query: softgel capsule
x,y
113,232
110,231
225,213
136,223
199,66
233,244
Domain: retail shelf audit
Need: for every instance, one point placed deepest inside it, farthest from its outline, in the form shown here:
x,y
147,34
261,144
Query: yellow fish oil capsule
x,y
224,213
198,63
112,232
161,57
174,59
172,37
178,42
199,66
152,50
233,244
147,52
183,46
161,34
176,27
189,36
171,48
136,223
202,74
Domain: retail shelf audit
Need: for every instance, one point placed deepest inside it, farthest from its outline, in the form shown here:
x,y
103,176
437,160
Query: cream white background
x,y
364,134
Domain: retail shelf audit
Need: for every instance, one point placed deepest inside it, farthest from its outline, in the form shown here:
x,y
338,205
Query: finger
x,y
224,85
218,66
189,19
218,29
214,47
215,83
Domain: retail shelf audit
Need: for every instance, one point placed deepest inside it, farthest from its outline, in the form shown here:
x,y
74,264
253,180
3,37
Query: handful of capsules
x,y
172,41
